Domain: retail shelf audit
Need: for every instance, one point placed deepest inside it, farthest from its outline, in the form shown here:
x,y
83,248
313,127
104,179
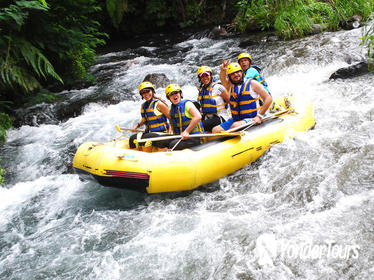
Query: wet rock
x,y
352,71
157,79
217,32
54,113
248,43
272,38
318,28
352,23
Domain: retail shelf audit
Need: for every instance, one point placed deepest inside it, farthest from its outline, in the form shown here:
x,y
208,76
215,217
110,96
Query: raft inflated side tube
x,y
114,164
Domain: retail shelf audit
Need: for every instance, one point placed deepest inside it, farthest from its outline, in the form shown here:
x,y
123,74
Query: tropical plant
x,y
37,41
22,62
70,34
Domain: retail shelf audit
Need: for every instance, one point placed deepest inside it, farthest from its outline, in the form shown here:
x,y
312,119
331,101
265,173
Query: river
x,y
304,210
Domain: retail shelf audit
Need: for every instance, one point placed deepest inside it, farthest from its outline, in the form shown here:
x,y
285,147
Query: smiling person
x,y
251,71
248,98
185,119
213,99
155,114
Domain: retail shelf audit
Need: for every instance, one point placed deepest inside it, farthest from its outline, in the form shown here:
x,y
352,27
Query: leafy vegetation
x,y
292,19
155,15
5,124
368,41
21,61
40,43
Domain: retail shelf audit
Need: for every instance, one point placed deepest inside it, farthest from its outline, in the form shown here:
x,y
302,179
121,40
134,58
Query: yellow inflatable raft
x,y
113,164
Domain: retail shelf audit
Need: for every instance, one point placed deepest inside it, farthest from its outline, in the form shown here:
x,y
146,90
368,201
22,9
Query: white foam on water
x,y
315,188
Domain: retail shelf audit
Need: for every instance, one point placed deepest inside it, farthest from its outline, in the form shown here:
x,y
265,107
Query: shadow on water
x,y
96,197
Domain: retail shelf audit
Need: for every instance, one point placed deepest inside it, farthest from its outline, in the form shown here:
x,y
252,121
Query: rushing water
x,y
302,211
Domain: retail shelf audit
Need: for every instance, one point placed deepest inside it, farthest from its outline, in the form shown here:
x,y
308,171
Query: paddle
x,y
222,134
172,149
248,125
119,129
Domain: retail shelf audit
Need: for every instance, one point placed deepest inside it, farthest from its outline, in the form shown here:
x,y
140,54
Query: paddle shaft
x,y
248,125
130,129
190,136
119,129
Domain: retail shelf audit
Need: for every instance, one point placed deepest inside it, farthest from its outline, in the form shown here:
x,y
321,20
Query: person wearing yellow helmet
x,y
249,101
154,113
251,71
185,119
213,99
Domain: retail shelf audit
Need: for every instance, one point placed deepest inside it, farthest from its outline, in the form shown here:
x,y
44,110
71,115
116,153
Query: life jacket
x,y
255,73
242,104
153,122
211,104
180,121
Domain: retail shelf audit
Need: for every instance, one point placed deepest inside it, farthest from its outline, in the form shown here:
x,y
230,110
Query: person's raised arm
x,y
225,95
223,75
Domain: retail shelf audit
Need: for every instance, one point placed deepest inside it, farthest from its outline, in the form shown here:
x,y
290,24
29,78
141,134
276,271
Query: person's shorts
x,y
141,135
227,124
211,121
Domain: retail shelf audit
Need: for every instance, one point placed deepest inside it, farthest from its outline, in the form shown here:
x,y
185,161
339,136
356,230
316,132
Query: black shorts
x,y
188,143
133,137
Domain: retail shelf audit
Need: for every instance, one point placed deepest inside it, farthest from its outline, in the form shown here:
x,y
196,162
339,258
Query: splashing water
x,y
302,211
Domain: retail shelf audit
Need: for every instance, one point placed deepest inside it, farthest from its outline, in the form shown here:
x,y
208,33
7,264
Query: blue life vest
x,y
255,72
153,122
180,121
242,104
209,102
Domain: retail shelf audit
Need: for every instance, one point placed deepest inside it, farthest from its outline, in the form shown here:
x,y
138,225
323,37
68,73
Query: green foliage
x,y
368,41
149,15
2,171
43,96
263,17
293,21
22,64
295,18
5,124
37,41
74,24
322,13
116,10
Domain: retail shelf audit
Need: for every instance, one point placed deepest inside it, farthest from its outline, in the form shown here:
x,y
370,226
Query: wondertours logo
x,y
268,249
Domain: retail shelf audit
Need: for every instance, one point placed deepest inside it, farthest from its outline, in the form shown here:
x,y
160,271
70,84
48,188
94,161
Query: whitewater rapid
x,y
302,211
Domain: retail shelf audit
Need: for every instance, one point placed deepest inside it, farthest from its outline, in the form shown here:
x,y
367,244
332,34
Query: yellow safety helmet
x,y
233,67
244,55
204,69
144,85
172,88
